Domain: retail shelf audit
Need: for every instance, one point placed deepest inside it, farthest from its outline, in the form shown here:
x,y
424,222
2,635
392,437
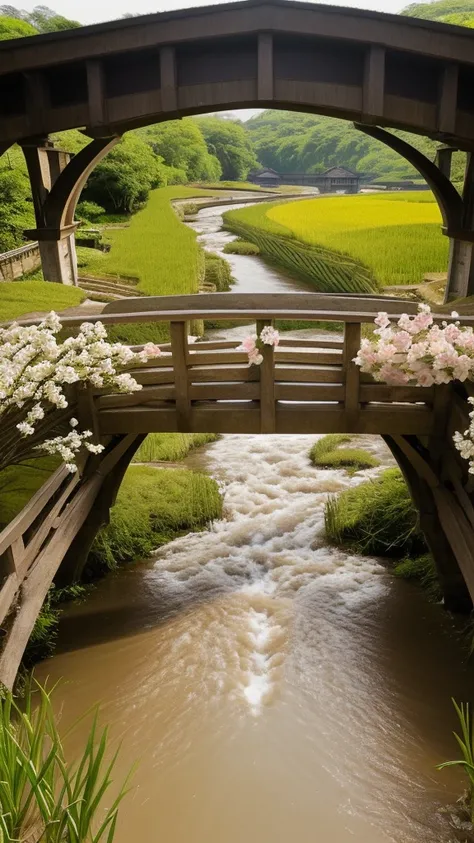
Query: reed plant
x,y
465,742
44,798
328,453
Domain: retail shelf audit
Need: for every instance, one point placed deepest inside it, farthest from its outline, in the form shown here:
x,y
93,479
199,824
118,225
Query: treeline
x,y
176,152
459,12
17,23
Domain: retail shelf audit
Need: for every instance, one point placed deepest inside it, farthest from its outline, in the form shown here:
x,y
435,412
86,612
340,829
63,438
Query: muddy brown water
x,y
272,688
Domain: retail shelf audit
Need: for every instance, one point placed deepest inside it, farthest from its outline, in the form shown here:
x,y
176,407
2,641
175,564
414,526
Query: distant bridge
x,y
304,386
375,69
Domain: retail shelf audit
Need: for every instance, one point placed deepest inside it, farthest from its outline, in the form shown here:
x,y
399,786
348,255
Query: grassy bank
x,y
156,250
18,483
376,518
20,297
153,507
396,236
329,453
326,269
171,447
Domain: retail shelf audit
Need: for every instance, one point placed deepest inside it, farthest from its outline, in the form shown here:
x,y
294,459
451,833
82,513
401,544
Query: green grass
x,y
241,247
157,250
171,447
20,297
217,272
153,507
396,236
328,270
327,453
376,518
44,796
19,482
421,570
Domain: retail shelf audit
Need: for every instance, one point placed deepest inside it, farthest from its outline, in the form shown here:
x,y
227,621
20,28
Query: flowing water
x,y
271,687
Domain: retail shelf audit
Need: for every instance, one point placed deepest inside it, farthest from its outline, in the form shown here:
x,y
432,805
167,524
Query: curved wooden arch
x,y
356,65
61,202
447,197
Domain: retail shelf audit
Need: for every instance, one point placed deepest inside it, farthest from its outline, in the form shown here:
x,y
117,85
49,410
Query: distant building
x,y
333,180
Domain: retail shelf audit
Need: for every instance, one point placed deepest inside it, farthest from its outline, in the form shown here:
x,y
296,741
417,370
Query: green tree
x,y
12,27
122,181
46,20
16,212
231,143
182,146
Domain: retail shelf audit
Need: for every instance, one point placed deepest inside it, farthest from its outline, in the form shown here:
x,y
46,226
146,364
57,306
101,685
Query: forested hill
x,y
307,143
460,12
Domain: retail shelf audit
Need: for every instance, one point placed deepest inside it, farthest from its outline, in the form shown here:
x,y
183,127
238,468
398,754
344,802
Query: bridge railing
x,y
305,385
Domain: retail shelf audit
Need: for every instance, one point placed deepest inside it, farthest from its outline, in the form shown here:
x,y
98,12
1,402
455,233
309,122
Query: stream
x,y
272,688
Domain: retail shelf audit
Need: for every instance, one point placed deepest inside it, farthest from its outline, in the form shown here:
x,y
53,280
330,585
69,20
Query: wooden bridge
x,y
303,386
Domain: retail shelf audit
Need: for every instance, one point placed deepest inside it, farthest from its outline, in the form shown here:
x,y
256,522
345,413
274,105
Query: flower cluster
x,y
253,345
36,371
416,351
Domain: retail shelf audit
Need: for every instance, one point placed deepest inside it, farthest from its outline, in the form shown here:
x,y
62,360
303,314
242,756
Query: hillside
x,y
460,12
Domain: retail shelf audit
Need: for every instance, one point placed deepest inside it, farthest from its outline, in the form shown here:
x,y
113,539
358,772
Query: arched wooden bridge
x,y
304,386
375,69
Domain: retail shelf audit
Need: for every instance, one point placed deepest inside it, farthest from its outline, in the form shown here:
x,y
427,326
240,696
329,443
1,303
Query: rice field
x,y
397,236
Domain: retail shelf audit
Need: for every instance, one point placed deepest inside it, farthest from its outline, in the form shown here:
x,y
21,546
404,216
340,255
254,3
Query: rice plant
x,y
44,798
465,742
350,243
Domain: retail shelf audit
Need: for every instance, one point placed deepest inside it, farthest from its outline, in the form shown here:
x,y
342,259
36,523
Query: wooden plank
x,y
213,358
152,376
383,392
307,344
15,554
448,99
225,392
308,374
265,67
48,523
308,392
212,374
179,344
30,512
168,76
165,392
267,383
374,83
352,337
312,357
8,593
96,93
138,420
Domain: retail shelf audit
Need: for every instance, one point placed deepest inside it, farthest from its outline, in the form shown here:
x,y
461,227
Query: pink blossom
x,y
425,377
402,340
421,322
152,350
452,333
382,320
248,344
393,375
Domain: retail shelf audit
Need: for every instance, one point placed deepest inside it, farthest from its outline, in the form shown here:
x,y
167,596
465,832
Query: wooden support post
x,y
265,67
267,384
444,160
447,105
14,555
374,84
461,255
180,355
168,84
96,93
352,336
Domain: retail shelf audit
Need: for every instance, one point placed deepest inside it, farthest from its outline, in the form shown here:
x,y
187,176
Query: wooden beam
x,y
352,338
96,92
267,383
448,99
179,345
374,84
265,67
168,76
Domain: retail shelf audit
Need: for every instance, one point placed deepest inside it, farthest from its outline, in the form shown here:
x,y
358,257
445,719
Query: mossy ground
x,y
328,453
30,296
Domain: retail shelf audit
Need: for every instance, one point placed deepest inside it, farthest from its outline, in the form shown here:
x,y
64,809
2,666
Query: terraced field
x,y
350,243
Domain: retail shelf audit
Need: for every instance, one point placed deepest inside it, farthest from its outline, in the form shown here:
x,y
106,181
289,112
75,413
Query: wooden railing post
x,y
267,384
352,335
180,356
